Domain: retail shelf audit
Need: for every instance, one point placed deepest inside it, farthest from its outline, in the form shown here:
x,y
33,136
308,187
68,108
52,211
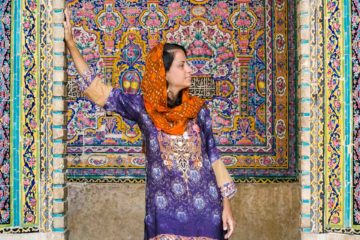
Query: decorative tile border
x,y
317,115
58,120
304,114
30,113
334,115
37,143
330,109
46,143
5,59
355,43
348,116
15,111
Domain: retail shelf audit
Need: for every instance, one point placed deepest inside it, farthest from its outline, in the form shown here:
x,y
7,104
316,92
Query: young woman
x,y
187,186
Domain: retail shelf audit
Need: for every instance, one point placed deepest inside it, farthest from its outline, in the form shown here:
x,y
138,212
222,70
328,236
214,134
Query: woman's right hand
x,y
68,28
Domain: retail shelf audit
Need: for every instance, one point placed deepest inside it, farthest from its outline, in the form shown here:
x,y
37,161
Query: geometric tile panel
x,y
243,57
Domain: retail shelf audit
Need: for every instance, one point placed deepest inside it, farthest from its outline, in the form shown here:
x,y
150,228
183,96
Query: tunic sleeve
x,y
112,99
127,105
223,178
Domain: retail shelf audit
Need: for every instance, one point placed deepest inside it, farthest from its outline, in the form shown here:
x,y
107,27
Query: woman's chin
x,y
188,84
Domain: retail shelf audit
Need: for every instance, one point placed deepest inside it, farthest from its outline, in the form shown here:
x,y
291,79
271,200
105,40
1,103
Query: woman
x,y
188,187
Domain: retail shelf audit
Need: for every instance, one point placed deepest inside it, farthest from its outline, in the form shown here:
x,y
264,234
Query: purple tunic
x,y
183,200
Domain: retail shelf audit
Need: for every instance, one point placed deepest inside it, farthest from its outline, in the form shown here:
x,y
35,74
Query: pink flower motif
x,y
336,63
356,67
86,11
32,83
26,182
5,168
6,119
337,103
224,140
5,214
33,5
29,217
27,103
335,220
330,203
331,125
357,217
26,25
33,202
244,22
7,20
330,163
175,10
27,141
266,161
133,11
88,6
33,124
27,62
222,5
357,118
110,20
32,162
221,10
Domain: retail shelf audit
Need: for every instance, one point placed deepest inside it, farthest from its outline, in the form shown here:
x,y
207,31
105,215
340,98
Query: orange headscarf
x,y
170,120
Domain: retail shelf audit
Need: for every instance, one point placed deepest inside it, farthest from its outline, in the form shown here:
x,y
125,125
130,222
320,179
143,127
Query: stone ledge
x,y
36,236
328,236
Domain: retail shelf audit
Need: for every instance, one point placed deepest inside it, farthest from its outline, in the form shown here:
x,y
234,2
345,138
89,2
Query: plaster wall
x,y
115,211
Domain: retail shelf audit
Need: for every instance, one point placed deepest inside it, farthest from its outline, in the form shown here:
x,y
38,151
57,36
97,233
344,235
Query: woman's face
x,y
179,74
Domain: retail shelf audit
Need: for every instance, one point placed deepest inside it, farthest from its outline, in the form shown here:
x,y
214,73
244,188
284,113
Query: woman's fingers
x,y
230,223
67,25
67,18
67,15
225,226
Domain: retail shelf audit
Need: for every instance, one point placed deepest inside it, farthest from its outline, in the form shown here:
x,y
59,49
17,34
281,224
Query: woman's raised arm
x,y
112,99
89,83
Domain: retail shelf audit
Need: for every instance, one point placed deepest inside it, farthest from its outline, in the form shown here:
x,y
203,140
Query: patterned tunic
x,y
183,200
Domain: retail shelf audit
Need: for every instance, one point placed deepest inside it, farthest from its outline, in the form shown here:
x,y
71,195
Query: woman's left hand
x,y
228,220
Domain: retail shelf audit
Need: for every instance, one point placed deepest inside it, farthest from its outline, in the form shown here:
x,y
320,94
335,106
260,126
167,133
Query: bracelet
x,y
86,79
228,190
